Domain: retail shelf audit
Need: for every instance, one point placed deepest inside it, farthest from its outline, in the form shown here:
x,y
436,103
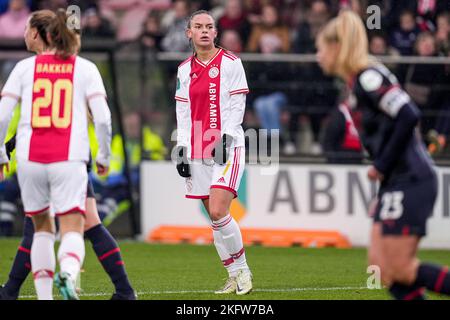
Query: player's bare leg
x,y
43,256
231,237
375,253
92,218
70,254
401,263
108,252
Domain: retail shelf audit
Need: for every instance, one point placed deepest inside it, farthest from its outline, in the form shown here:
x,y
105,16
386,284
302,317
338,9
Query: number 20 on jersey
x,y
55,95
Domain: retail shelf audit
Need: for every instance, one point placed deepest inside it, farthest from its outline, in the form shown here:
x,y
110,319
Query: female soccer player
x,y
53,147
103,243
210,105
408,183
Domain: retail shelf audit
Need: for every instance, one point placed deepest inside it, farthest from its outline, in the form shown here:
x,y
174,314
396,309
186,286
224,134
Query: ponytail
x,y
347,30
64,40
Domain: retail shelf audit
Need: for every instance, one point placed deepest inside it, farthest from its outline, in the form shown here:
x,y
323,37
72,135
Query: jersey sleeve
x,y
181,92
94,85
238,81
383,92
13,86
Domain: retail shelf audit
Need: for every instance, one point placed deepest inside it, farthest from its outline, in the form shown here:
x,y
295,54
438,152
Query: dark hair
x,y
196,13
64,40
199,12
41,20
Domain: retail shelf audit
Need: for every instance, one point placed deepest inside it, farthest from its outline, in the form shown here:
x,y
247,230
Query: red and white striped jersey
x,y
210,102
54,95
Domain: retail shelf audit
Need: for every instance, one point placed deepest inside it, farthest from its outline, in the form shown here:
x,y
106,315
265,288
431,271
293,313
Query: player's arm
x,y
396,103
10,145
406,119
101,117
183,128
103,130
7,105
183,112
238,94
10,97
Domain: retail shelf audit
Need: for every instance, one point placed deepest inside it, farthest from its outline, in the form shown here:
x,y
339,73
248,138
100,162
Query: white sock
x,y
232,240
43,264
71,254
227,260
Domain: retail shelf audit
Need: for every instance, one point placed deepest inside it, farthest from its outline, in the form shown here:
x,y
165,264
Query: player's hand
x,y
374,175
102,170
183,167
10,146
373,207
2,169
221,151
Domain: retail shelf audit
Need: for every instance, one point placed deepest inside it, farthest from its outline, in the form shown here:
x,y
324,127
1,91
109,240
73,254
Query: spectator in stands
x,y
426,12
315,98
378,47
52,4
317,15
13,21
443,33
423,82
151,36
4,4
175,39
95,26
341,143
129,15
404,37
271,36
231,40
234,18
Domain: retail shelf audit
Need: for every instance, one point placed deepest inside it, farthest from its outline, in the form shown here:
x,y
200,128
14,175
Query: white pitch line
x,y
211,291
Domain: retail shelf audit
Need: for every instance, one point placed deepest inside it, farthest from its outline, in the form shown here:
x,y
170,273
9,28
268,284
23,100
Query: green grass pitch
x,y
193,272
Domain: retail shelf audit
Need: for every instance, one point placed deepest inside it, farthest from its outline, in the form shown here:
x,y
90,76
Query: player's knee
x,y
216,214
404,271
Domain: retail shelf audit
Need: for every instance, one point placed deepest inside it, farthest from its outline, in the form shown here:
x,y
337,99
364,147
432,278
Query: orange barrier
x,y
252,236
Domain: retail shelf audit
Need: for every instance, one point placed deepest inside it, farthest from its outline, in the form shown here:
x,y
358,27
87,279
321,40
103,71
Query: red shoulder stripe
x,y
231,54
229,57
185,61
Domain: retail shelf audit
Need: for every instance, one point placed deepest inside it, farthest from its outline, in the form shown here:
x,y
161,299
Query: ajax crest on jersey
x,y
213,72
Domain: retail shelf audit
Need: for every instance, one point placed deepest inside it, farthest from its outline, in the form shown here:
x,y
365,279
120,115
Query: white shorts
x,y
63,184
205,176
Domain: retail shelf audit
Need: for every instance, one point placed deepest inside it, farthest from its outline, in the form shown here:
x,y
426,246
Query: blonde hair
x,y
347,30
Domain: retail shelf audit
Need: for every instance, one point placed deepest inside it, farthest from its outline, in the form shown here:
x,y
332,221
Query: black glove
x,y
221,151
182,163
10,146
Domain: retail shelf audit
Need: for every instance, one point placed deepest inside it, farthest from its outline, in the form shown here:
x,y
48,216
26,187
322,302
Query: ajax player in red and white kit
x,y
52,146
210,105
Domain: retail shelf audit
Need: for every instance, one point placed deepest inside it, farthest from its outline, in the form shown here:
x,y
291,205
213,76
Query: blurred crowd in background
x,y
408,28
294,99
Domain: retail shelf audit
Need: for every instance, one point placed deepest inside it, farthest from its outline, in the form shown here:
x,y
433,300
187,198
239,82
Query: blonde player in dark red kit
x,y
53,148
210,95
